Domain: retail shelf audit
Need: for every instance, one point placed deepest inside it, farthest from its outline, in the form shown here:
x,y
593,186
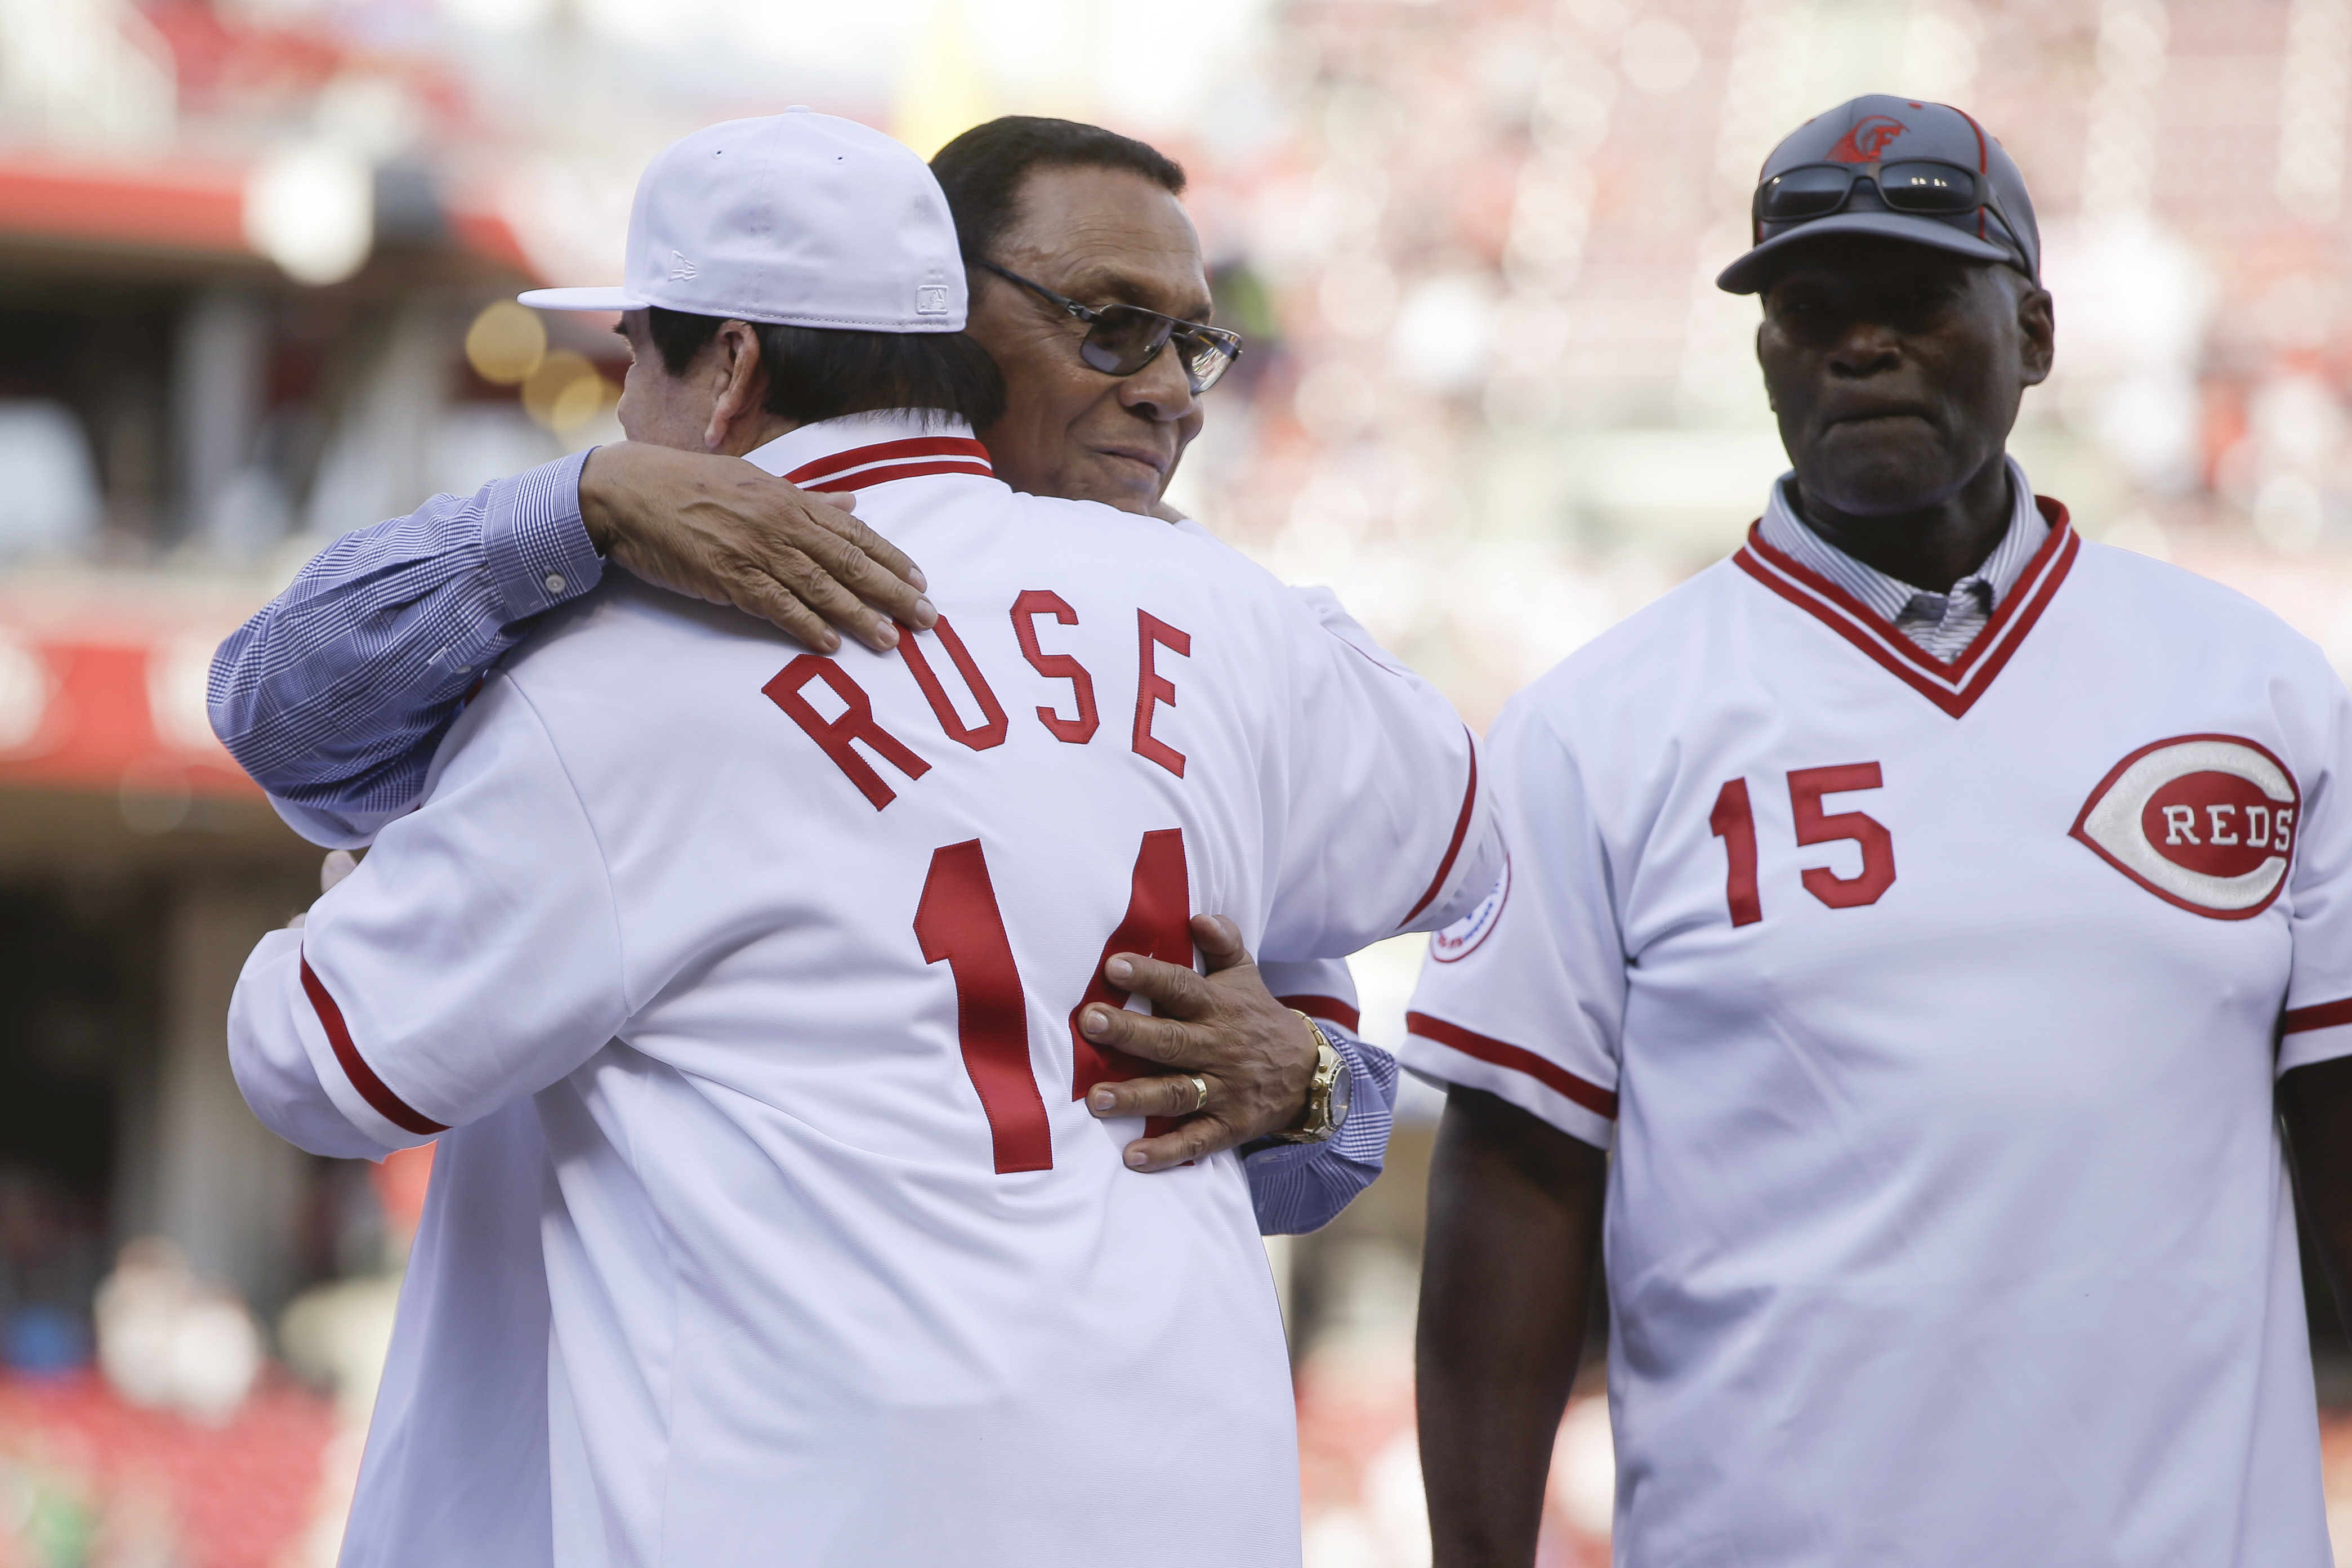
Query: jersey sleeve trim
x,y
373,1090
1331,1010
1499,1053
2326,1015
1454,846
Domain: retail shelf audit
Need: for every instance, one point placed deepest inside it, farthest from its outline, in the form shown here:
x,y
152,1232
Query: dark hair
x,y
825,372
981,170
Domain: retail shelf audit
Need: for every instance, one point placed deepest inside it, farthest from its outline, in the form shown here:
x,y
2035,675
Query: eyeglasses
x,y
1122,339
1920,186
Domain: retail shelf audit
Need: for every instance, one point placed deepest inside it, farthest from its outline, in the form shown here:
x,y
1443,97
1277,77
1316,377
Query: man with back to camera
x,y
792,953
335,694
1934,912
319,697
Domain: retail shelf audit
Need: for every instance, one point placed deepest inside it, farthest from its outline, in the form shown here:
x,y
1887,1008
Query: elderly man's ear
x,y
2037,322
739,383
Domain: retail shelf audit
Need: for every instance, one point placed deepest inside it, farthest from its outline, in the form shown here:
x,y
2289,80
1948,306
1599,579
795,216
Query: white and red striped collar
x,y
1785,531
862,450
1955,686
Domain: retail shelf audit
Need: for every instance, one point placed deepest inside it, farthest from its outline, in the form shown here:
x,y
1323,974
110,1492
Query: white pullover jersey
x,y
787,949
455,1470
1933,1011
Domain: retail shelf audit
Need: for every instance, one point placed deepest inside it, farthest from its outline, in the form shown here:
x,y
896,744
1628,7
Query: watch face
x,y
1342,1092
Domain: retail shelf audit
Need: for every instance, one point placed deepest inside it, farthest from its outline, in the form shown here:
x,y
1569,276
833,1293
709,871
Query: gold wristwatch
x,y
1328,1094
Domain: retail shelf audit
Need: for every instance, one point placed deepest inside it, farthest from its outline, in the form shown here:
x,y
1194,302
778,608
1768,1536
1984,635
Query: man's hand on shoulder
x,y
1256,1056
720,529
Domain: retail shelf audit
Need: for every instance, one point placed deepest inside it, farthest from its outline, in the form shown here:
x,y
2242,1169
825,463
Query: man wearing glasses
x,y
786,953
334,696
1090,293
1915,925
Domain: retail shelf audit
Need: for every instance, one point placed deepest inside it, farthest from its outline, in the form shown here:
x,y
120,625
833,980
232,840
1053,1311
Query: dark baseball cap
x,y
1830,175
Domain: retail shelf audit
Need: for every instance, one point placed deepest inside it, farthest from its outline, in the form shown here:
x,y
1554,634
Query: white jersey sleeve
x,y
475,952
1322,989
1525,996
2317,1023
1387,826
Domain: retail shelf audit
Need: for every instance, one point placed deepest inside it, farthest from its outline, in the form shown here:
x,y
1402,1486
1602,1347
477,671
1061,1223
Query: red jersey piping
x,y
2326,1015
372,1090
1331,1010
889,460
1461,832
1551,1075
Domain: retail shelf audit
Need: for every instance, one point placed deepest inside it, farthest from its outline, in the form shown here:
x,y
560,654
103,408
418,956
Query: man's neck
x,y
1933,547
746,436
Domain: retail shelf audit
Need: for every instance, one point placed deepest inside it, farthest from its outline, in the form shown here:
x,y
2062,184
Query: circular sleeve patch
x,y
1459,940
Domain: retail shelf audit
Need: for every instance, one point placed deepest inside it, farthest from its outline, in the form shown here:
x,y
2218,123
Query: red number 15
x,y
1734,823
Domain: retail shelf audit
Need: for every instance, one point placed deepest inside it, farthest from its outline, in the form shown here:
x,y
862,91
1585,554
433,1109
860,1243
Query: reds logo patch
x,y
1459,940
2203,821
1867,140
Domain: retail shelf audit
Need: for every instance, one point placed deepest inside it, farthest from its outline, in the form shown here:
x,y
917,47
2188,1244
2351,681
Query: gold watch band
x,y
1314,1124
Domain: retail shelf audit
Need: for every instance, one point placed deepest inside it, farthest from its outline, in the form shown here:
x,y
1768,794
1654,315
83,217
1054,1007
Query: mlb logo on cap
x,y
797,218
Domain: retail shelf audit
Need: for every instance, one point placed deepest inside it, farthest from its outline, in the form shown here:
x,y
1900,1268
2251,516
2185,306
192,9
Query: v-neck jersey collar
x,y
1954,687
1781,528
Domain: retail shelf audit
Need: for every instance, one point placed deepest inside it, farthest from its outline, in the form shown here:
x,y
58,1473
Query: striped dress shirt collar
x,y
1942,625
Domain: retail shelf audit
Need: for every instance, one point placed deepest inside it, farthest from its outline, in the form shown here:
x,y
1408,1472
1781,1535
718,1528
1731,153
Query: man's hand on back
x,y
718,528
1256,1056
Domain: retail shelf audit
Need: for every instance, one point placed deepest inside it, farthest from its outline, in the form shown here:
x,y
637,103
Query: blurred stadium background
x,y
251,252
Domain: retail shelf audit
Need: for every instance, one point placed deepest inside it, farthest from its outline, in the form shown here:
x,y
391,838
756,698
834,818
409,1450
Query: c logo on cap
x,y
1867,140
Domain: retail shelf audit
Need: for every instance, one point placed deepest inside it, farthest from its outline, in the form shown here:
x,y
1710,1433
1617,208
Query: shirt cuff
x,y
533,541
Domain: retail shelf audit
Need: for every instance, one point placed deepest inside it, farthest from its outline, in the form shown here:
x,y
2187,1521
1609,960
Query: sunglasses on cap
x,y
1122,339
1922,187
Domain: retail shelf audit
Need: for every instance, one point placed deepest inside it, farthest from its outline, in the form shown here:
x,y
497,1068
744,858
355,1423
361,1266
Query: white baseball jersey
x,y
788,950
1932,1011
456,1472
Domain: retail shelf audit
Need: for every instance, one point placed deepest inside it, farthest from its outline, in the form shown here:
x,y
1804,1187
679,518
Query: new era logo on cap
x,y
681,269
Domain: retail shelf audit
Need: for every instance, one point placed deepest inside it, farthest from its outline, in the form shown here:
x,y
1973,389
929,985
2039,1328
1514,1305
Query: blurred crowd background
x,y
252,257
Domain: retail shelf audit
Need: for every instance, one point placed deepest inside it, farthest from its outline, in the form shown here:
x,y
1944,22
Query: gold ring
x,y
1201,1086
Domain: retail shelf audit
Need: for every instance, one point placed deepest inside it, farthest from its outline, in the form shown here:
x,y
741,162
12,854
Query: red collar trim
x,y
1954,687
863,466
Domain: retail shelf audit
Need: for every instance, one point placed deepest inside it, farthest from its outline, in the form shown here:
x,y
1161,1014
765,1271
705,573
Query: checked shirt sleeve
x,y
335,695
1299,1187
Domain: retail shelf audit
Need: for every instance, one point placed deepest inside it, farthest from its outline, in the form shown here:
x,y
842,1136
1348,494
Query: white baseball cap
x,y
797,218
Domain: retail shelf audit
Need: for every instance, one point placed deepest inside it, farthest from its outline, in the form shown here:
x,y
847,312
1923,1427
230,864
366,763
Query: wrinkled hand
x,y
718,528
1256,1055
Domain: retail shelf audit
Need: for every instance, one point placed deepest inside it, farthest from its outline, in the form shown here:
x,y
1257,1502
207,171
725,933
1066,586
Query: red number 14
x,y
959,924
1734,823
